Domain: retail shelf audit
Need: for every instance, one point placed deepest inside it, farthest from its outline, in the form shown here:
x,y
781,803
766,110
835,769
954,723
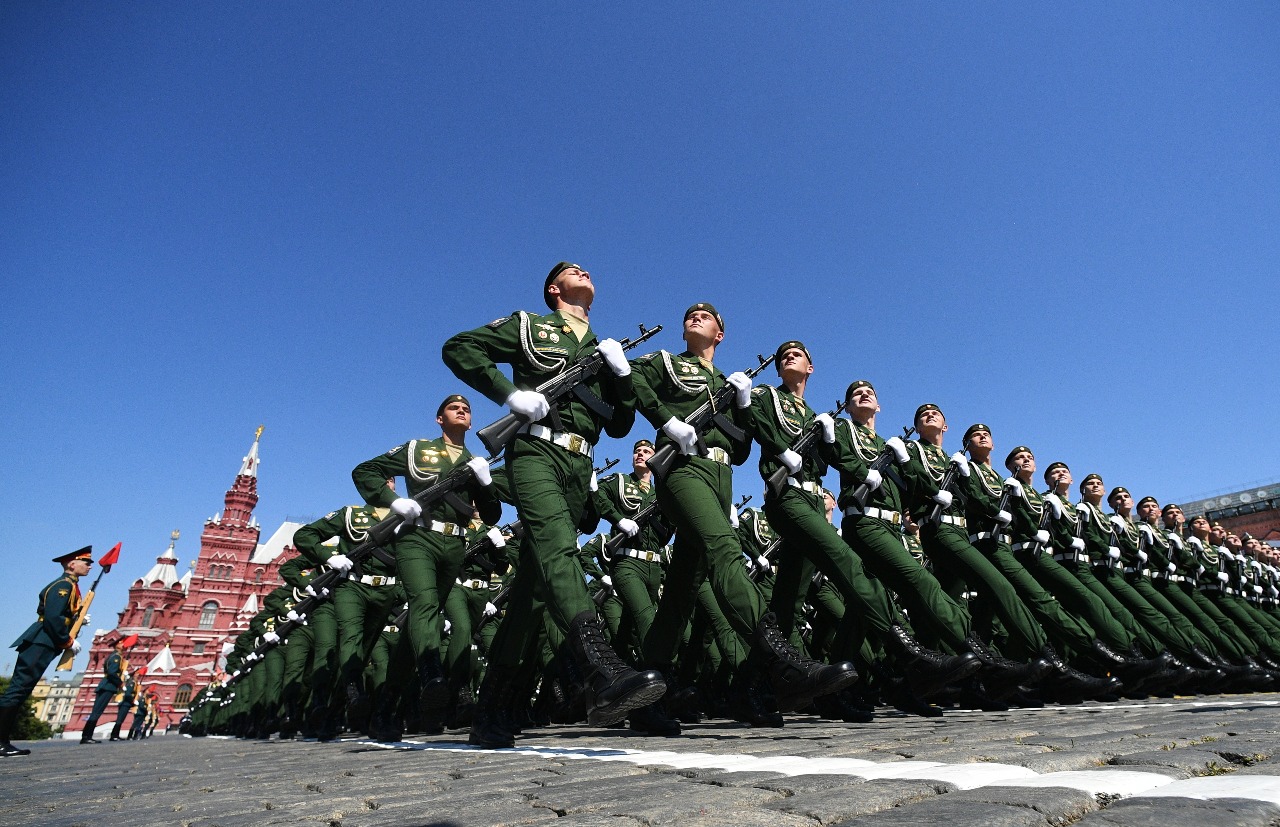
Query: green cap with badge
x,y
1008,461
790,344
706,308
453,397
551,277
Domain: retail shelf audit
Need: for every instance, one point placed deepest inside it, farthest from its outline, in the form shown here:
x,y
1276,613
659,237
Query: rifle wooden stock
x,y
803,444
68,656
701,421
497,435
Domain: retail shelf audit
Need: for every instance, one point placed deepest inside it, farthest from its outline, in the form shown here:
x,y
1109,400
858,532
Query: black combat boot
x,y
1070,686
612,688
359,706
8,718
1001,676
384,721
489,726
1132,670
751,701
928,672
796,680
841,706
433,693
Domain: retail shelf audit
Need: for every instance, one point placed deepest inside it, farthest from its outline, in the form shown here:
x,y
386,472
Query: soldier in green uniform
x,y
468,603
430,549
549,468
43,641
130,694
113,675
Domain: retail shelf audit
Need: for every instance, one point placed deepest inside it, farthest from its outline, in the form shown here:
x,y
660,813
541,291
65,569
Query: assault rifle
x,y
708,414
572,379
475,551
882,461
948,478
804,443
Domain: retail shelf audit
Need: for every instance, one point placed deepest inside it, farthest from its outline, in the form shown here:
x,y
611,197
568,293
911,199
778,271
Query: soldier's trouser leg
x,y
1266,621
934,615
1253,632
1232,642
949,549
297,654
636,584
1077,599
1199,612
33,659
799,517
790,586
1067,631
1084,573
323,623
1180,622
100,701
122,712
460,611
611,612
696,497
272,668
361,612
733,652
427,563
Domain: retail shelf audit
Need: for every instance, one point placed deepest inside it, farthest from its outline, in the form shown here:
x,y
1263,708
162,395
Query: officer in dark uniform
x,y
112,682
44,640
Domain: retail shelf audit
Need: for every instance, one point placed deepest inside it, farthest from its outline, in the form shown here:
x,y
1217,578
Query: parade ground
x,y
1209,760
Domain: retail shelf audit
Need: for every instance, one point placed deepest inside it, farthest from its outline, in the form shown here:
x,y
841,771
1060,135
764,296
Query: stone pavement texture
x,y
1186,761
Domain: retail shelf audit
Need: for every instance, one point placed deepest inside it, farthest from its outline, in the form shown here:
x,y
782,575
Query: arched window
x,y
257,577
146,616
183,696
208,612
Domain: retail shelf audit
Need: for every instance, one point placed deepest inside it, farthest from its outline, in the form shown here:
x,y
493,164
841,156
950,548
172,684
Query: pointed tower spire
x,y
243,494
164,571
249,468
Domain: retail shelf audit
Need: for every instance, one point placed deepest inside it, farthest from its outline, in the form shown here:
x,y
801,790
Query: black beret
x,y
861,383
1054,466
928,406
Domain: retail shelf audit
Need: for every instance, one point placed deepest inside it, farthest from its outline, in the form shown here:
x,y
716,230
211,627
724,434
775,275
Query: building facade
x,y
55,698
1254,510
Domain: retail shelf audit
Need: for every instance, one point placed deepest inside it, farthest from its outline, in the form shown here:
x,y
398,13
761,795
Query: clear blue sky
x,y
1060,220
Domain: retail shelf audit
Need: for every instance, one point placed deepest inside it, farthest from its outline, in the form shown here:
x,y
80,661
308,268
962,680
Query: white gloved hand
x,y
1223,576
495,537
86,620
480,467
898,447
828,424
791,460
1172,569
614,357
406,508
943,498
75,647
447,625
962,463
311,591
1200,569
490,610
1004,517
763,564
1142,557
593,484
270,637
684,434
1077,544
628,527
1055,505
1113,553
1042,537
341,562
529,405
742,384
1014,485
294,616
733,517
874,479
607,580
1084,512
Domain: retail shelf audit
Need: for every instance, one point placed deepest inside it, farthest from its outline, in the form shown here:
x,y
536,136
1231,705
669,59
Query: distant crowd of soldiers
x,y
925,580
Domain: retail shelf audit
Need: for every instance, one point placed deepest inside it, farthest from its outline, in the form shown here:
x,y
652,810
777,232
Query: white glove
x,y
495,537
406,508
1084,512
1055,505
447,625
86,620
763,563
1200,569
1113,553
742,384
1015,487
628,527
311,591
1077,544
341,562
490,610
898,447
1042,537
1004,517
1223,576
75,647
1172,569
684,434
829,428
874,479
606,579
1257,590
1142,557
943,498
294,616
962,463
480,467
614,357
733,517
270,637
530,405
792,460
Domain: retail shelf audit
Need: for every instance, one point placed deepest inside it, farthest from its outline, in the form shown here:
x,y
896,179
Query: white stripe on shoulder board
x,y
1126,783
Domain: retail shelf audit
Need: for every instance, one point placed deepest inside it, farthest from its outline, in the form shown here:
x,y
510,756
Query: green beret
x,y
790,344
453,397
555,271
1008,461
642,443
1146,500
1170,507
978,428
709,308
1119,489
1087,479
1054,466
928,406
861,383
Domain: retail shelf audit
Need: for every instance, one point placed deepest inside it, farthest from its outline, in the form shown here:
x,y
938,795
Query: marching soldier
x,y
43,641
126,704
114,671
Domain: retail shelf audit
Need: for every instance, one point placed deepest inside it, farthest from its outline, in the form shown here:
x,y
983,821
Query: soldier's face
x,y
701,328
982,441
574,286
1092,490
1122,502
864,399
1173,516
80,567
794,365
1024,463
1200,527
1218,533
931,423
455,414
1060,477
1148,511
640,457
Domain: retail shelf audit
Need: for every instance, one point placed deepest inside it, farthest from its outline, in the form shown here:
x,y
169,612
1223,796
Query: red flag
x,y
142,670
111,557
131,640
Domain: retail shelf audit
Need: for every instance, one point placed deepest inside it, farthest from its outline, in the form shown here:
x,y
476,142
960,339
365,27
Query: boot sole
x,y
641,696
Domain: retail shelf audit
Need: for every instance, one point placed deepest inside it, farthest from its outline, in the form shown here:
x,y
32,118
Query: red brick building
x,y
183,623
1254,510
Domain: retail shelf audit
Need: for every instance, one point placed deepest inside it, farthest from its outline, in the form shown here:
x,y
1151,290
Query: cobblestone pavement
x,y
1193,761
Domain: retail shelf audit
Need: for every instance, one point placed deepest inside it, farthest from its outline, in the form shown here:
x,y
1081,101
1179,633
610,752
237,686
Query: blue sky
x,y
1058,220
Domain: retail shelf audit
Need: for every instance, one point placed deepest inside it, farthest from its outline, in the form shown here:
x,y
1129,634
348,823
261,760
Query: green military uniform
x,y
1251,635
466,605
636,568
1195,603
44,640
125,706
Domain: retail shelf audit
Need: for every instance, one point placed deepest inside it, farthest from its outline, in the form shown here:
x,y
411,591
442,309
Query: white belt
x,y
1071,556
877,513
473,584
391,627
814,488
983,535
1021,546
639,554
949,520
565,439
1177,578
449,529
373,579
1136,570
719,455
